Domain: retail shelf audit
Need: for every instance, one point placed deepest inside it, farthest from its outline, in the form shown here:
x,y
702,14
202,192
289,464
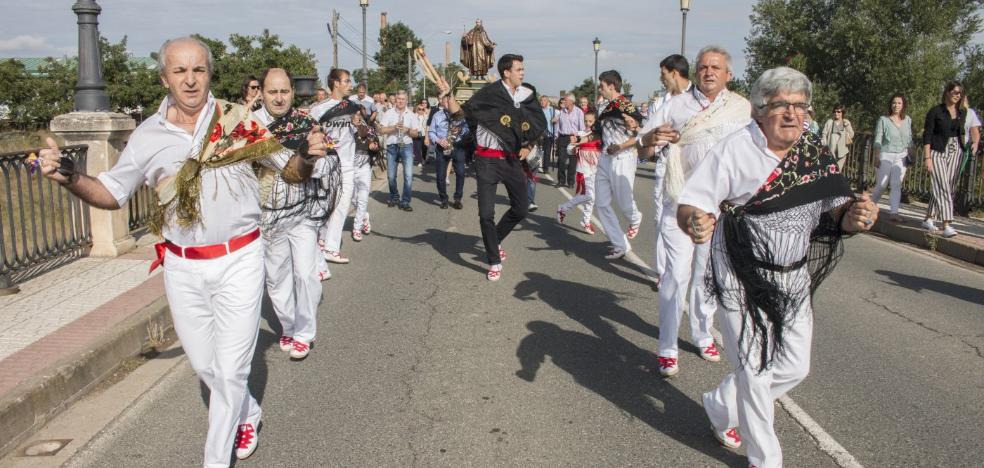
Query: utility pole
x,y
447,59
334,38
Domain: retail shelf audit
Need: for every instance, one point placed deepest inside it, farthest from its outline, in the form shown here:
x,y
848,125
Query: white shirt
x,y
614,132
485,137
230,199
658,111
340,130
970,122
367,103
392,117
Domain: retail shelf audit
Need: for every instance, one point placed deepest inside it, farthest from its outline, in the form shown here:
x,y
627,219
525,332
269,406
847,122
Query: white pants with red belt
x,y
215,305
613,184
292,259
746,398
683,281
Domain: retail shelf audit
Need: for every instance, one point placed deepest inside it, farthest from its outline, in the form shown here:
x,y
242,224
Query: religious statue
x,y
477,51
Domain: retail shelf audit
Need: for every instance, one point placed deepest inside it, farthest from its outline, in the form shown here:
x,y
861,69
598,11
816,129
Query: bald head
x,y
183,42
277,91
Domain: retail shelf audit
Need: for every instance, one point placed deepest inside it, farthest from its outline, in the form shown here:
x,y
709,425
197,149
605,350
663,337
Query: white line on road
x,y
824,441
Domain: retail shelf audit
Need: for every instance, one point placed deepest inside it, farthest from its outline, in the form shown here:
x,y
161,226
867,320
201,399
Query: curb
x,y
33,403
919,237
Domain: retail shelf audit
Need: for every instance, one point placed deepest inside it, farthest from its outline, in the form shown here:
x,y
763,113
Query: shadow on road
x,y
452,245
919,283
616,370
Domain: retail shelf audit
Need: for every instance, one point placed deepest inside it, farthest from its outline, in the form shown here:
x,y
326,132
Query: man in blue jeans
x,y
448,136
399,126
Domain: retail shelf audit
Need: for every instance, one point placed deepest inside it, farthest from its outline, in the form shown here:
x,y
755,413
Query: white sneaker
x,y
335,257
246,441
532,207
949,231
300,351
324,275
668,366
928,225
711,353
614,253
286,343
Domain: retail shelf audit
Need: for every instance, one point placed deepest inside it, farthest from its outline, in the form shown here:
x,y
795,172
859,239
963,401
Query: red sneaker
x,y
728,438
300,351
246,441
632,232
588,228
667,366
286,343
711,353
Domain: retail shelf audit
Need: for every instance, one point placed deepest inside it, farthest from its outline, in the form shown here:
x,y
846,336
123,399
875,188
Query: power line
x,y
355,48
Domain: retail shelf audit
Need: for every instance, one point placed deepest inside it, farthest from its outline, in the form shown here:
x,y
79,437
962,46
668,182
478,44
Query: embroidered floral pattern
x,y
806,162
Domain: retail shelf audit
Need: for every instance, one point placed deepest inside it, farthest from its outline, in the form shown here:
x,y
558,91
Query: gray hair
x,y
716,49
161,53
403,92
775,81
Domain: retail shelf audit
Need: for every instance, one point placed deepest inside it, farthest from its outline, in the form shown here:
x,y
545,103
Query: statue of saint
x,y
477,51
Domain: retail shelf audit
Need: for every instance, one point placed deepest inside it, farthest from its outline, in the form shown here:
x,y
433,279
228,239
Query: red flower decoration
x,y
216,133
833,169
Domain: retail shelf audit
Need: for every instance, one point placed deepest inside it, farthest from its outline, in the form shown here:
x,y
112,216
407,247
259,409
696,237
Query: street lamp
x,y
365,62
597,47
684,8
409,67
90,89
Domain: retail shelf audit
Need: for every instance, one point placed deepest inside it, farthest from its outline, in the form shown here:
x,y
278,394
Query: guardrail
x,y
860,172
42,224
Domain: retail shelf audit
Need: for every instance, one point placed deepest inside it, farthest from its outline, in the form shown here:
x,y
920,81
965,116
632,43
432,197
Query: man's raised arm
x,y
87,188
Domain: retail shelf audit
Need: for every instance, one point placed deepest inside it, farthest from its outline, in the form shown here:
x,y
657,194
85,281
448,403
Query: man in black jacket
x,y
508,122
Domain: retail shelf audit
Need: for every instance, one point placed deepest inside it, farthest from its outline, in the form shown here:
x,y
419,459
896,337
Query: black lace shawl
x,y
807,180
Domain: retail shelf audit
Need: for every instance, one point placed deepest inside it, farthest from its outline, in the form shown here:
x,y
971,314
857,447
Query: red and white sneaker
x,y
502,254
495,272
324,275
711,353
357,236
286,343
632,232
667,366
300,350
246,441
729,438
588,228
366,227
335,257
561,214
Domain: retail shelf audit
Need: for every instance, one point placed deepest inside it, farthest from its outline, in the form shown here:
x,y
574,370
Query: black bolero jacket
x,y
940,127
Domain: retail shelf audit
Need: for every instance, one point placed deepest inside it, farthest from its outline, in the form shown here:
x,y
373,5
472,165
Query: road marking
x,y
824,440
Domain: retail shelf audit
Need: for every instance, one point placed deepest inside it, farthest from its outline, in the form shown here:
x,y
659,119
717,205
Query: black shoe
x,y
456,204
406,207
444,204
570,186
391,203
561,184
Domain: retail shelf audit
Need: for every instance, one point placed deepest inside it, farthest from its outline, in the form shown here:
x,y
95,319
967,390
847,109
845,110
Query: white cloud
x,y
25,45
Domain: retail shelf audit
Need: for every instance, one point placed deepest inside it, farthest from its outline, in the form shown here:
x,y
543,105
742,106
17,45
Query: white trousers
x,y
659,173
292,282
362,182
215,305
586,199
891,170
331,232
682,282
614,183
745,398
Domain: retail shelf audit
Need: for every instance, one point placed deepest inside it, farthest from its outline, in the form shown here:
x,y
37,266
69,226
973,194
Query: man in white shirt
x,y
399,126
337,115
693,122
363,98
673,73
618,123
213,274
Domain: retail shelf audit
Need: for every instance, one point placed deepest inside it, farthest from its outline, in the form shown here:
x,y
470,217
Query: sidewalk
x,y
69,328
968,245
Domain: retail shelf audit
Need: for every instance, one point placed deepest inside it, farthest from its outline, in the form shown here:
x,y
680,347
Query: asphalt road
x,y
420,361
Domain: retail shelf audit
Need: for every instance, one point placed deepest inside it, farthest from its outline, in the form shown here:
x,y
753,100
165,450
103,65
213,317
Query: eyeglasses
x,y
956,92
779,107
254,86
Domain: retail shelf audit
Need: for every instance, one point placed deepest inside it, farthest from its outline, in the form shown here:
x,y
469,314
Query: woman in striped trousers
x,y
943,136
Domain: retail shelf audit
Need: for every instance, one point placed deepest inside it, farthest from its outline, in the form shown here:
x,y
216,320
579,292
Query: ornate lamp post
x,y
90,90
684,8
409,67
365,62
597,47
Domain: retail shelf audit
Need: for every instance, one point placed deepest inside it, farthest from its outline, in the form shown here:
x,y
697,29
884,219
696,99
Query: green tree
x,y
392,57
860,53
586,88
131,86
250,55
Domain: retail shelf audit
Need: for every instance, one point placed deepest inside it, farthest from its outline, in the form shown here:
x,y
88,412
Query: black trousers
x,y
566,163
456,156
546,144
489,172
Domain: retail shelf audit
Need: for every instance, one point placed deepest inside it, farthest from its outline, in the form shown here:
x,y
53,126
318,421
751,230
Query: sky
x,y
553,35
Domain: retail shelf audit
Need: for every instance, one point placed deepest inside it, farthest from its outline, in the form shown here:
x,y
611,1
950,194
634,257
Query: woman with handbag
x,y
943,140
838,134
892,142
